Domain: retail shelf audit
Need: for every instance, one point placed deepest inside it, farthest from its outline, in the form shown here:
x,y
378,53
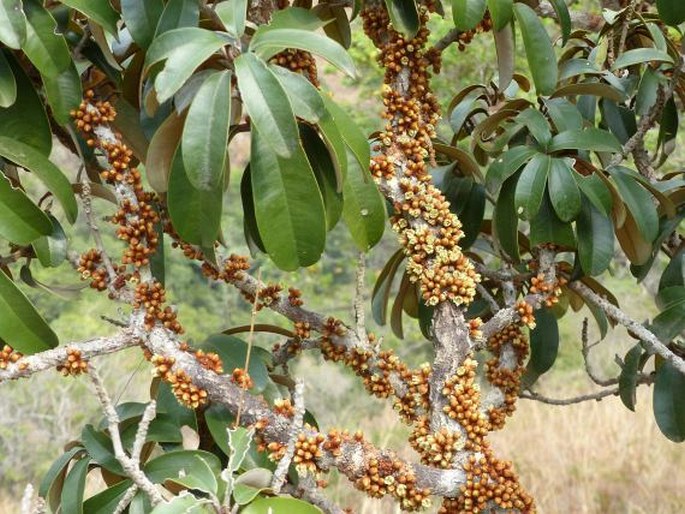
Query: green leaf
x,y
671,321
506,165
178,14
564,18
669,402
280,505
51,250
591,138
597,192
544,341
250,229
200,476
101,450
183,49
627,380
21,221
205,133
536,124
595,239
106,501
338,25
195,214
8,85
44,46
269,41
471,215
100,11
288,205
321,162
267,104
12,23
539,50
56,472
53,178
639,202
467,13
531,185
636,247
505,220
233,14
505,46
233,351
218,419
671,11
404,17
668,128
64,93
546,227
619,119
304,97
244,494
175,464
564,114
183,504
161,151
381,289
501,12
639,56
674,274
74,487
239,441
351,134
141,19
563,190
363,205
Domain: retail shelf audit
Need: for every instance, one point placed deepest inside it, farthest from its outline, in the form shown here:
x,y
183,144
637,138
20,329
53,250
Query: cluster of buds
x,y
302,329
525,313
284,407
428,231
182,386
74,364
242,379
151,297
550,290
298,61
8,356
436,449
416,399
91,267
266,296
295,297
465,37
307,452
210,361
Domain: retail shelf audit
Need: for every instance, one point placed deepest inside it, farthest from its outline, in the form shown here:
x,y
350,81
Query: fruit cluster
x,y
242,378
298,61
151,297
74,364
295,297
284,407
525,313
8,356
210,361
182,386
464,38
550,290
428,231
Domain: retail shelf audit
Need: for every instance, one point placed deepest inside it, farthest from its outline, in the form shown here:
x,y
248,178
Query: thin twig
x,y
250,338
530,395
359,316
126,499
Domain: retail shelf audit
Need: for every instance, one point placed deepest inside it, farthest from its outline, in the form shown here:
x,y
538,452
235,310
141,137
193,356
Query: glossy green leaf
x,y
597,192
44,46
669,402
501,12
161,151
471,216
55,475
639,56
64,93
536,124
587,91
404,17
338,25
233,14
627,380
351,134
8,85
100,11
196,215
506,165
53,178
304,97
595,239
563,190
564,18
619,119
201,477
467,13
505,46
363,205
183,504
244,494
178,14
288,205
250,229
141,19
106,502
593,139
268,105
100,448
544,341
505,220
336,146
668,128
175,464
674,274
20,220
539,50
639,202
546,227
51,250
647,91
671,11
280,505
296,18
670,322
12,23
205,133
269,41
233,351
531,185
183,49
75,487
564,114
321,162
